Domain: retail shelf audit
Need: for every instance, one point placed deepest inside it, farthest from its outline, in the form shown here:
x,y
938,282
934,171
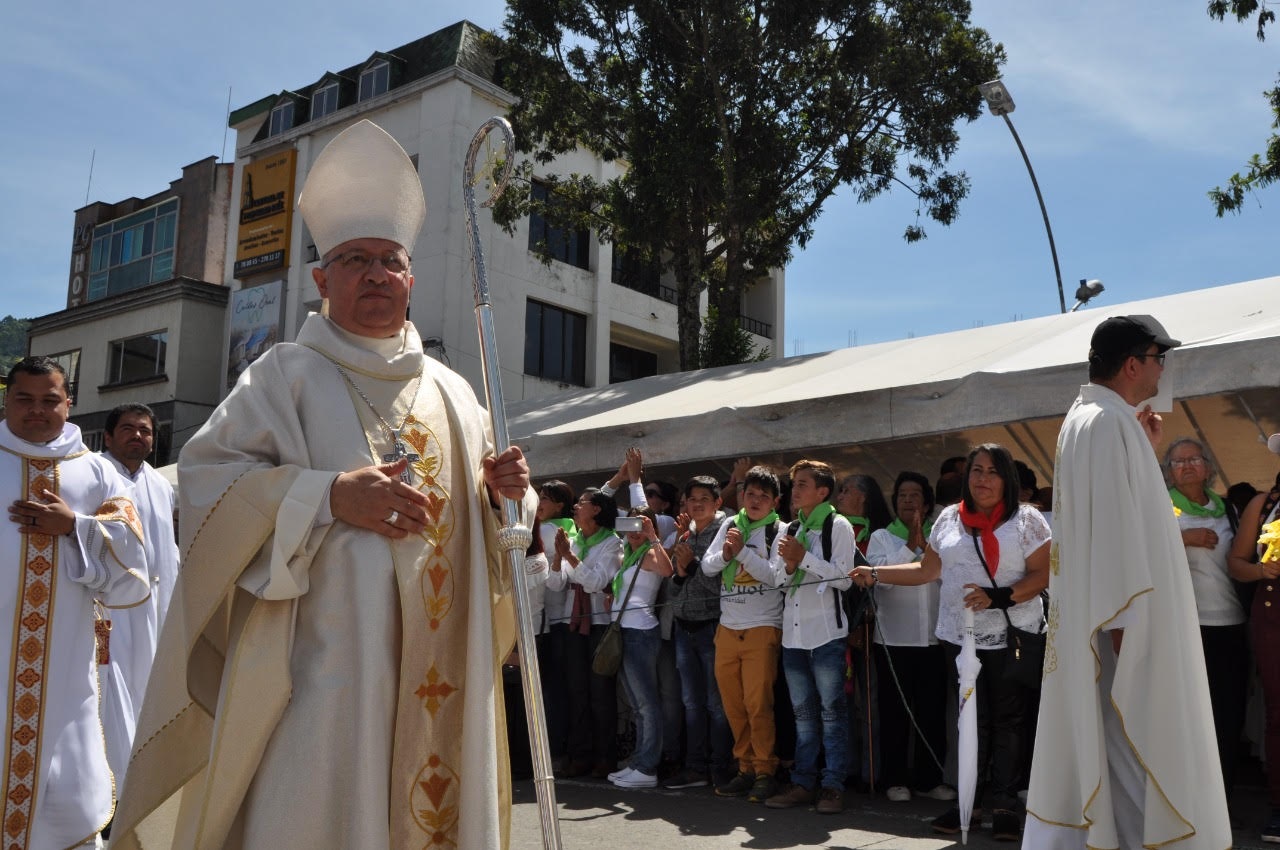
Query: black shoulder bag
x,y
607,658
1023,651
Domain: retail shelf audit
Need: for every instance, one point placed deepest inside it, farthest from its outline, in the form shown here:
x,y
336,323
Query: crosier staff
x,y
514,537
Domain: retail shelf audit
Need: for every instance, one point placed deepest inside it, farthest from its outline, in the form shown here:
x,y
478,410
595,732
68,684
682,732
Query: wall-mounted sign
x,y
266,208
255,326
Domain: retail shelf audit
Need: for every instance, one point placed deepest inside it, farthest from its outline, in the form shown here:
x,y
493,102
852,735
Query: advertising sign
x,y
266,207
255,326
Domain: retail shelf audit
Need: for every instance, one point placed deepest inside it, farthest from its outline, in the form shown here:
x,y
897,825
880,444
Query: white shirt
x,y
1216,600
754,600
905,616
553,601
639,613
593,574
1019,536
812,615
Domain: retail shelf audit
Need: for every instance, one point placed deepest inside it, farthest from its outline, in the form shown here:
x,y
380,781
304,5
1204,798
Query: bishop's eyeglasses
x,y
358,261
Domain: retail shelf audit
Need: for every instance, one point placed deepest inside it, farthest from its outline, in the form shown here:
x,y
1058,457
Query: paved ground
x,y
597,816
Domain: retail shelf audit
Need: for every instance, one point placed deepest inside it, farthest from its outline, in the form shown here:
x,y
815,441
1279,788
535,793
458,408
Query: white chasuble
x,y
319,685
1125,752
58,789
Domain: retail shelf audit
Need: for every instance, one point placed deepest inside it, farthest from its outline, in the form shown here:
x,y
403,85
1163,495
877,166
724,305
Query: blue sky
x,y
1130,112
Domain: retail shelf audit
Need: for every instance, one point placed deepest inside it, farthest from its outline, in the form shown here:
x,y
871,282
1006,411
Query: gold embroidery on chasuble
x,y
29,665
1050,644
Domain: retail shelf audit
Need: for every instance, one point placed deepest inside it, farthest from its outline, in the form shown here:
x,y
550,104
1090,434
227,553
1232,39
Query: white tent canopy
x,y
909,404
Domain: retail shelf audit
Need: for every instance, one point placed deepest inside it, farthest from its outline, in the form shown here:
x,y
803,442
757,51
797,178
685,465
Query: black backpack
x,y
850,604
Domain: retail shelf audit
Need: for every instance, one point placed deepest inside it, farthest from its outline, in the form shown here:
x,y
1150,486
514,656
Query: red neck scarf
x,y
986,524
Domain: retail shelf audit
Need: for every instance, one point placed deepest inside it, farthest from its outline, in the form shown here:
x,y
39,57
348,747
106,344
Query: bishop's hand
x,y
374,498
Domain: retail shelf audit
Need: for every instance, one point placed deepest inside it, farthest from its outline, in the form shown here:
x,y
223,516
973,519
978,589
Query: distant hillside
x,y
13,341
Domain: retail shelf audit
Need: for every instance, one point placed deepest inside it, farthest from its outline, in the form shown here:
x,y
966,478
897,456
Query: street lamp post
x,y
1000,102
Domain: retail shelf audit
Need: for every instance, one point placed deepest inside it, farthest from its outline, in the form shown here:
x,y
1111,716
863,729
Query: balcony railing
x,y
756,327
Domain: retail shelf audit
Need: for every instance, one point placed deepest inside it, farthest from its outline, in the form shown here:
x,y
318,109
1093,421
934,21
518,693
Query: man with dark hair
x,y
750,634
954,465
695,600
73,536
1125,755
811,563
129,437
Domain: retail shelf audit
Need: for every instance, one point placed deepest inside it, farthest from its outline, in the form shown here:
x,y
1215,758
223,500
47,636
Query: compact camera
x,y
630,524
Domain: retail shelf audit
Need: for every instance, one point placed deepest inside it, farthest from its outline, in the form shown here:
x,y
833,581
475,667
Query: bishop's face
x,y
366,297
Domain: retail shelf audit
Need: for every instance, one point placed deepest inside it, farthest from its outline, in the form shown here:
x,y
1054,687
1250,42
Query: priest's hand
x,y
47,514
1152,425
506,475
374,498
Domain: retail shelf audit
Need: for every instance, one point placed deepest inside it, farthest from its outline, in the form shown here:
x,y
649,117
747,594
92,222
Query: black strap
x,y
987,571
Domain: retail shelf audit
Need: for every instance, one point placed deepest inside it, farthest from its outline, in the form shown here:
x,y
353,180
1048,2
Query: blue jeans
x,y
708,739
815,678
640,679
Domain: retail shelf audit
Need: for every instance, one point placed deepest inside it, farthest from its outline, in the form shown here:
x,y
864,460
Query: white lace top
x,y
1022,534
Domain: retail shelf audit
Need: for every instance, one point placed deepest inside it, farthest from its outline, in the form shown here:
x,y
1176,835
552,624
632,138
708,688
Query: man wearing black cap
x,y
1125,753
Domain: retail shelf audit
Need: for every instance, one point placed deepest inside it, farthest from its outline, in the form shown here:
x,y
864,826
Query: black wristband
x,y
1001,597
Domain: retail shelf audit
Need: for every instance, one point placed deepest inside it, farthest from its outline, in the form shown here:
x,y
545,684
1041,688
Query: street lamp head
x,y
998,99
1087,290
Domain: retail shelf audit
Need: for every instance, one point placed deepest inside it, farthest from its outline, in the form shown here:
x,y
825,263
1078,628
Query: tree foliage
x,y
13,342
1264,169
736,121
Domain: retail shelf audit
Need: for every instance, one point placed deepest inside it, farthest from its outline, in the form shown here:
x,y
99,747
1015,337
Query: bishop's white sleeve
x,y
282,569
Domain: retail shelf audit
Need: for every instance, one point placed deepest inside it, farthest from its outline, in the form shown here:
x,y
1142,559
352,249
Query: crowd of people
x,y
809,626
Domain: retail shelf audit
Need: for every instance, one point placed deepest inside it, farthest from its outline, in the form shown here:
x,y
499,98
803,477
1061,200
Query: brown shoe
x,y
795,795
601,770
830,801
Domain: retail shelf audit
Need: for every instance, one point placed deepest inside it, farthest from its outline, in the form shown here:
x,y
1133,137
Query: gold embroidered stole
x,y
29,665
427,751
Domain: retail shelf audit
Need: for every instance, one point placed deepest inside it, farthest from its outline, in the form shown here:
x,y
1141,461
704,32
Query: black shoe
x,y
762,789
738,786
1006,825
1271,832
687,779
948,823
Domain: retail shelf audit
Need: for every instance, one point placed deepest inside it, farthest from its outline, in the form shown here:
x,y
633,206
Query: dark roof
x,y
461,45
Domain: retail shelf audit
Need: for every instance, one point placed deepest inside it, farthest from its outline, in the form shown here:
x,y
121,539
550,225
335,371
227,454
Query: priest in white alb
x,y
129,436
72,555
329,673
1125,753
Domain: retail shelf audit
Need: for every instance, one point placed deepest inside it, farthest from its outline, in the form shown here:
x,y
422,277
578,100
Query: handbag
x,y
1023,650
607,659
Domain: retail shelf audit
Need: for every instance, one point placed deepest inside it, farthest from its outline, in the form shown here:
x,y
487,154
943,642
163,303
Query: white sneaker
x,y
636,779
618,774
898,794
941,792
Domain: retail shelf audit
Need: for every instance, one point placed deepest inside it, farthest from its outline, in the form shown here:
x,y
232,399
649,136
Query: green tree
x,y
736,121
1264,169
13,342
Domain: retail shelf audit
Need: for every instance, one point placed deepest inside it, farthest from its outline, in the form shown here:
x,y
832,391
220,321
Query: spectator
x,y
555,513
1207,524
992,555
632,592
910,663
749,636
1240,494
811,562
695,601
586,566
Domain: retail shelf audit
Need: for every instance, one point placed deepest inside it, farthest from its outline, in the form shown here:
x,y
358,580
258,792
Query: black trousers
x,y
921,673
593,701
1226,660
1002,721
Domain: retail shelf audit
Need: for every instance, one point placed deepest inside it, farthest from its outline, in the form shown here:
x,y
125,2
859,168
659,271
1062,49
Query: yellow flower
x,y
1177,511
1270,538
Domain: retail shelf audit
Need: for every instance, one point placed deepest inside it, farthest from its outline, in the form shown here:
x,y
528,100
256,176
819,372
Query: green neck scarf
x,y
746,527
629,558
1216,507
861,526
809,523
899,529
570,530
585,543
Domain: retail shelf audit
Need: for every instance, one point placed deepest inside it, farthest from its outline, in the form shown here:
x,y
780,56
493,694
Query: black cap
x,y
1121,335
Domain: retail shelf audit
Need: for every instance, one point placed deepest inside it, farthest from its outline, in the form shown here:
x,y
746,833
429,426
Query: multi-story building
x,y
584,319
146,307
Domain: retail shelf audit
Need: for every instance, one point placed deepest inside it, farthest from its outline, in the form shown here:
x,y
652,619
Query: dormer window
x,y
281,118
324,100
375,79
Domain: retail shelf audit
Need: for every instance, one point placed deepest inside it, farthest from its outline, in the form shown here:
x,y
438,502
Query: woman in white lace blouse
x,y
992,555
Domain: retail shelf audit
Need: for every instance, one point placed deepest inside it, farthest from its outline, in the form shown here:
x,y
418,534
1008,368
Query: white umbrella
x,y
968,666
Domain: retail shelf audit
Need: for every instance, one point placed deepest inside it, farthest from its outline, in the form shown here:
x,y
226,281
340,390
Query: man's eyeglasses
x,y
1159,358
357,261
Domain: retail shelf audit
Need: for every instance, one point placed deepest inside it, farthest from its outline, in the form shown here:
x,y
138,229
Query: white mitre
x,y
363,186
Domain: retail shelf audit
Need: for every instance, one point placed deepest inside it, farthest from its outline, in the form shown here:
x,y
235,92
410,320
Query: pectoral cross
x,y
399,452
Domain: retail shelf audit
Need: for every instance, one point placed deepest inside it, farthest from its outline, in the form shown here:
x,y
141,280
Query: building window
x,y
640,275
324,100
627,364
138,358
70,363
281,118
565,245
133,251
375,79
555,344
